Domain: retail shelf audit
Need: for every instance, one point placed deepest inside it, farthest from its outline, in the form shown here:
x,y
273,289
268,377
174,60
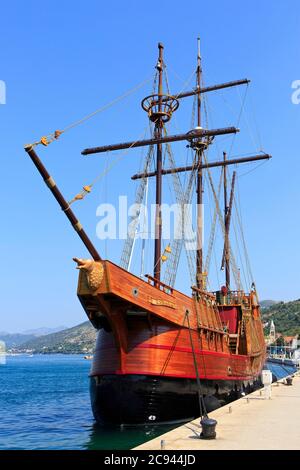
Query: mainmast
x,y
199,150
226,224
158,135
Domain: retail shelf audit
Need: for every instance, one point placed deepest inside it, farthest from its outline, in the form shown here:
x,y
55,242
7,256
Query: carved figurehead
x,y
93,270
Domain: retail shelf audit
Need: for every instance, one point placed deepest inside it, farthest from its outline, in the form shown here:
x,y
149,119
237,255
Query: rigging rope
x,y
257,145
185,85
252,110
48,139
129,243
183,197
235,269
253,169
88,188
232,259
244,271
213,244
212,230
202,407
135,220
239,117
239,218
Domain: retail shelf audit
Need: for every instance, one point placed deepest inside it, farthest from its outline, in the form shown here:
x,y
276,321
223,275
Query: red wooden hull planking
x,y
146,328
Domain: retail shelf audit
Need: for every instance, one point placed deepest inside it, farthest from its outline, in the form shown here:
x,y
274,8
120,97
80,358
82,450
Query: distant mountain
x,y
268,303
286,317
75,340
44,331
14,340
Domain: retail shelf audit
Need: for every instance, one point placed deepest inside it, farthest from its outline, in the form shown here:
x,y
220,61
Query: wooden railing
x,y
233,298
161,285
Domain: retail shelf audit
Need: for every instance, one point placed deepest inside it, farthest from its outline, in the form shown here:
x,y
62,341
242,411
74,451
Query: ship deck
x,y
250,423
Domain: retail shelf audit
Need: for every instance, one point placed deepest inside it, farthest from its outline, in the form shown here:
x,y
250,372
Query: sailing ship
x,y
161,354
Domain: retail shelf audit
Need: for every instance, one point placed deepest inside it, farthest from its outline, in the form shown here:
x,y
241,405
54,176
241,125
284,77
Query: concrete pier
x,y
253,422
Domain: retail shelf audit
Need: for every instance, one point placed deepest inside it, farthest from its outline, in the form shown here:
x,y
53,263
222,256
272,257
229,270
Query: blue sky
x,y
60,62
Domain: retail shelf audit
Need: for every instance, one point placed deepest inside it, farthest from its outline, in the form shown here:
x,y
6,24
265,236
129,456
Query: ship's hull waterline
x,y
153,400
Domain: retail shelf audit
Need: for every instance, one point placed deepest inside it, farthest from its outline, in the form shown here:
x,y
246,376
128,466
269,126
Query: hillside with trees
x,y
286,317
76,340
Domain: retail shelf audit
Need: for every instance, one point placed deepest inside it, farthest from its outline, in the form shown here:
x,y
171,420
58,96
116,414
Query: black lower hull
x,y
140,399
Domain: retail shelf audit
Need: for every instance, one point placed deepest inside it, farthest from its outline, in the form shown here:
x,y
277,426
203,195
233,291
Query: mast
x,y
143,240
199,150
226,220
228,216
158,135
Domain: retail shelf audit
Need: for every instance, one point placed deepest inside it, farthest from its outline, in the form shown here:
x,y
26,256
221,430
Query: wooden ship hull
x,y
155,342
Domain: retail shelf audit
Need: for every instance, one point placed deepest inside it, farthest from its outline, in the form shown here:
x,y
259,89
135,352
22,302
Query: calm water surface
x,y
45,404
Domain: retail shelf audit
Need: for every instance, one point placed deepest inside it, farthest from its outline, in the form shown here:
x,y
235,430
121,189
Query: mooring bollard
x,y
289,381
162,444
230,409
208,428
266,378
248,401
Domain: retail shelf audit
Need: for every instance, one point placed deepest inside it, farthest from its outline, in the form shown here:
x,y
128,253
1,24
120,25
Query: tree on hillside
x,y
279,341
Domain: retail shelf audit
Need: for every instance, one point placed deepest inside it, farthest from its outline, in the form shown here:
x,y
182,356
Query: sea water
x,y
45,404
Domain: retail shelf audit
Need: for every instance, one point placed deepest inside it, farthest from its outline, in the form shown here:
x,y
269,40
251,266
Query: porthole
x,y
135,292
